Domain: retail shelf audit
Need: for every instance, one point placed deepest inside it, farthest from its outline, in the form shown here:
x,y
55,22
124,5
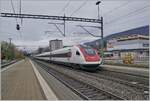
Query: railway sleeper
x,y
92,92
94,95
80,86
86,90
103,97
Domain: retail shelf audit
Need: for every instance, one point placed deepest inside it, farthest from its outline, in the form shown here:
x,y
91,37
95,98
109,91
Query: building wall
x,y
132,51
55,44
138,57
129,44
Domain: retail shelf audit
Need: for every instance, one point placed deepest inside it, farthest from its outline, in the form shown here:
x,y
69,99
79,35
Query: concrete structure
x,y
55,44
133,49
128,42
22,81
127,69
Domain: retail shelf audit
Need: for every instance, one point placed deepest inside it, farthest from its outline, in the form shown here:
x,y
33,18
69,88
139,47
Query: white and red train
x,y
79,56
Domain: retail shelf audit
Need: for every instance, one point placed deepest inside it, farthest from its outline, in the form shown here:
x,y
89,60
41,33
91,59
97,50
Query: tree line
x,y
10,52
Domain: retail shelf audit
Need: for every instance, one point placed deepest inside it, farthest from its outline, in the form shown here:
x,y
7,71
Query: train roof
x,y
43,53
66,48
55,51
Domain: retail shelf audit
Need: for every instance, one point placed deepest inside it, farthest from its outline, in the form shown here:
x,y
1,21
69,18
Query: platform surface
x,y
125,69
19,82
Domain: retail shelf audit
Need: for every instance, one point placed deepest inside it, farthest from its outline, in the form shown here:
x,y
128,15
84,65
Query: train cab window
x,y
77,53
90,51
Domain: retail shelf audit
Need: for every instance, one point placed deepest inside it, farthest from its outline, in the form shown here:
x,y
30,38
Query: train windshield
x,y
88,50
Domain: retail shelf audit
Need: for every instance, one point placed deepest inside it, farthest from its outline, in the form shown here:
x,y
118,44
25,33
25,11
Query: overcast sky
x,y
119,15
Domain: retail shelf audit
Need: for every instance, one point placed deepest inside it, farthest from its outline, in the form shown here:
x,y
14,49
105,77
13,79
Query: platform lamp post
x,y
102,53
97,3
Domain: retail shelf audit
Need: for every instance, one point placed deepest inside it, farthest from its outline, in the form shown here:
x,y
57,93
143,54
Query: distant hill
x,y
140,31
144,30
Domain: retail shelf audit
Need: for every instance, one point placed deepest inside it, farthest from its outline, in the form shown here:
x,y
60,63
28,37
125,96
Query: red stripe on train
x,y
90,58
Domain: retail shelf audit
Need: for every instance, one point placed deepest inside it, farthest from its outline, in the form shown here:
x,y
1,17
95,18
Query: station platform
x,y
22,81
126,69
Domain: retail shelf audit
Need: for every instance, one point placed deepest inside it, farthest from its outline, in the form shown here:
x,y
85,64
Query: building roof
x,y
144,30
132,37
136,31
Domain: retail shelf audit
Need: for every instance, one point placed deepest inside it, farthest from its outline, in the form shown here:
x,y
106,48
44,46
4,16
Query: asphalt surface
x,y
20,83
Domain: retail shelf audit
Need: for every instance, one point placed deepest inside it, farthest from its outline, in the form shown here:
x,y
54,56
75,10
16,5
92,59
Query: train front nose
x,y
92,58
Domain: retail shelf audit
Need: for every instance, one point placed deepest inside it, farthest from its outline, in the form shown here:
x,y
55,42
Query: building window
x,y
147,53
119,54
145,45
141,52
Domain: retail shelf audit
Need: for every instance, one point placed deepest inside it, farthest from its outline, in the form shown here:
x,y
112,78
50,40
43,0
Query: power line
x,y
130,21
15,13
88,31
123,16
65,6
117,8
79,7
20,8
13,10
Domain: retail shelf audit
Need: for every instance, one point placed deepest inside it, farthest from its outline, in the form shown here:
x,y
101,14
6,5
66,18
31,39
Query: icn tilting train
x,y
78,56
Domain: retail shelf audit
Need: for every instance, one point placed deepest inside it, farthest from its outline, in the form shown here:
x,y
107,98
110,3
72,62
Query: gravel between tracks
x,y
118,89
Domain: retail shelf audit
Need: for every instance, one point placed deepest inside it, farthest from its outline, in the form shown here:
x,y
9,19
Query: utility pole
x,y
10,49
97,3
64,26
102,40
10,41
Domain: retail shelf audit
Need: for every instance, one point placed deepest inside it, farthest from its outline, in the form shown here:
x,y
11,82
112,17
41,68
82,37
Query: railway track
x,y
110,84
138,82
142,87
9,63
127,79
84,90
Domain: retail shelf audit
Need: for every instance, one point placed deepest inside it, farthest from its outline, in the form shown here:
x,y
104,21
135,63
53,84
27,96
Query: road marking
x,y
47,90
5,68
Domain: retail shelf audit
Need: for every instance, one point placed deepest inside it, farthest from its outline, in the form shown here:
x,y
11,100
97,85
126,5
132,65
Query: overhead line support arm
x,y
12,15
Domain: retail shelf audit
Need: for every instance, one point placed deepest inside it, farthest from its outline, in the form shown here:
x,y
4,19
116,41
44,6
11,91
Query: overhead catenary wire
x,y
20,11
79,8
117,8
129,22
15,18
128,14
64,8
12,5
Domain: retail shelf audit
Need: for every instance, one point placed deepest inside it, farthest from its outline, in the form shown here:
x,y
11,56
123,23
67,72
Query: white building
x,y
129,42
55,44
135,47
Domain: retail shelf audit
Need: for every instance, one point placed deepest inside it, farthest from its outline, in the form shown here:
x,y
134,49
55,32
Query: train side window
x,y
77,53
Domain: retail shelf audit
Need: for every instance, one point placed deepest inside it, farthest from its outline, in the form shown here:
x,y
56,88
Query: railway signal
x,y
17,27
